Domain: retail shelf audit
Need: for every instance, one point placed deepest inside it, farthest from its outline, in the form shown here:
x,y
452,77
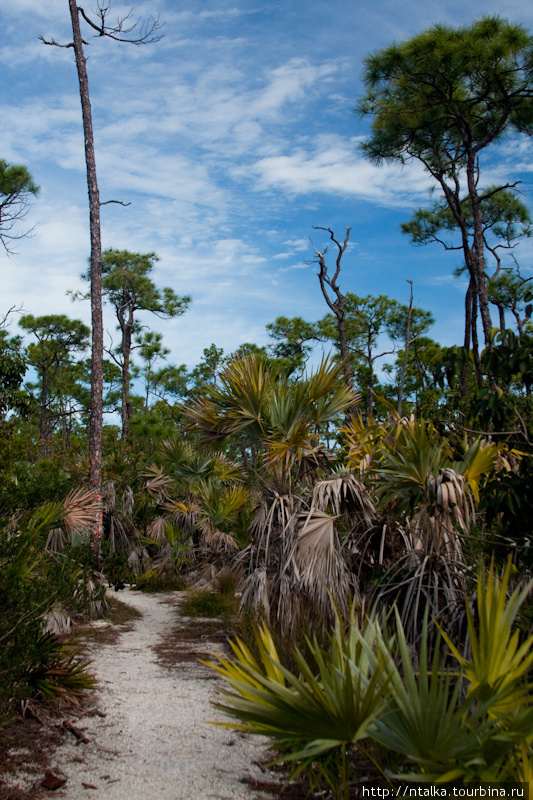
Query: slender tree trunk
x,y
371,379
475,343
343,345
479,253
44,423
370,397
126,352
405,352
97,354
468,337
501,316
126,410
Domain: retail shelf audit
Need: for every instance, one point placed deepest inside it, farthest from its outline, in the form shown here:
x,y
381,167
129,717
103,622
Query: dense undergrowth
x,y
283,511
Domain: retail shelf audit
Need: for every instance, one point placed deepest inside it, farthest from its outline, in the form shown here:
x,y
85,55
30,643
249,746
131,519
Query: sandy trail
x,y
154,741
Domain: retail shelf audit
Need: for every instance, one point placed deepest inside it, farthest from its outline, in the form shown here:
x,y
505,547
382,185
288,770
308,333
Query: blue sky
x,y
231,138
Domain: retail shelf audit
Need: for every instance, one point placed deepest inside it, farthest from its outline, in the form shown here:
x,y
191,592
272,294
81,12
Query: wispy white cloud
x,y
231,138
331,164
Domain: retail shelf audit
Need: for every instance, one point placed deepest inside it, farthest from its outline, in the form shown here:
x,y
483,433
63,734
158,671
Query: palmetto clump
x,y
430,500
294,561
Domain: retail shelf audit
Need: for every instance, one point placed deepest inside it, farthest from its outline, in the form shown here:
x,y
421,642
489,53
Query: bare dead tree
x,y
122,30
338,301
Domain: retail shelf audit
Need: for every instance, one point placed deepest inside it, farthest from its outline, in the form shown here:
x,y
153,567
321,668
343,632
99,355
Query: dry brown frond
x,y
56,540
82,510
158,483
157,529
256,592
449,504
273,517
223,542
320,567
345,494
127,501
138,559
109,497
424,582
57,621
289,606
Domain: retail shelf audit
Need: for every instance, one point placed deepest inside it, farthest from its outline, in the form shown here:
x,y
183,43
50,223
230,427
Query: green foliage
x,y
470,723
251,402
507,509
128,285
16,188
511,360
417,91
60,677
33,583
204,603
152,581
292,339
505,219
60,377
481,737
127,282
315,716
375,326
442,97
12,370
422,392
499,663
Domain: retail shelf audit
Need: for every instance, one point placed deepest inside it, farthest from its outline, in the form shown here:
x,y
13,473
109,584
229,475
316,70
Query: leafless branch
x,y
3,322
110,352
118,202
14,207
53,43
148,32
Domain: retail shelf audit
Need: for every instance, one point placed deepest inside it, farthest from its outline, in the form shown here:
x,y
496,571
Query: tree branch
x,y
149,32
53,42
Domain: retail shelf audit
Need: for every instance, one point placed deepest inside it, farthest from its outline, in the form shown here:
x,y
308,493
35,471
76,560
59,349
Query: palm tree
x,y
432,501
293,562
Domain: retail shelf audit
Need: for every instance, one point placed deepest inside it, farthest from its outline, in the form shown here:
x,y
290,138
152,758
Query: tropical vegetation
x,y
363,517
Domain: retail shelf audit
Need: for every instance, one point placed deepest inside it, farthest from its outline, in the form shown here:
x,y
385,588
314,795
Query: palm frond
x,y
343,493
320,567
82,511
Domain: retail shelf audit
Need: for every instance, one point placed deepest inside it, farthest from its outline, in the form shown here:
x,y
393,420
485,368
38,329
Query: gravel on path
x,y
154,742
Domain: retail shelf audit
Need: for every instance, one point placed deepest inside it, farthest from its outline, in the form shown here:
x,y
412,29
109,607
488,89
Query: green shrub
x,y
152,581
204,603
227,581
115,566
33,583
472,723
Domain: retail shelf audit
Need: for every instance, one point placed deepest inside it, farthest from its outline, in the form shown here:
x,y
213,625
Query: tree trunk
x,y
44,422
97,353
126,410
405,353
343,345
475,343
468,336
479,253
370,397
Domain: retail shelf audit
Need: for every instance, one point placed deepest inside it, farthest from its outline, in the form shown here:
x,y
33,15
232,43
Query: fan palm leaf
x,y
500,661
316,715
320,568
343,493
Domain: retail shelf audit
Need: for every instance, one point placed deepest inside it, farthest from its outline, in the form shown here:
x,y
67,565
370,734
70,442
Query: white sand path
x,y
154,742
